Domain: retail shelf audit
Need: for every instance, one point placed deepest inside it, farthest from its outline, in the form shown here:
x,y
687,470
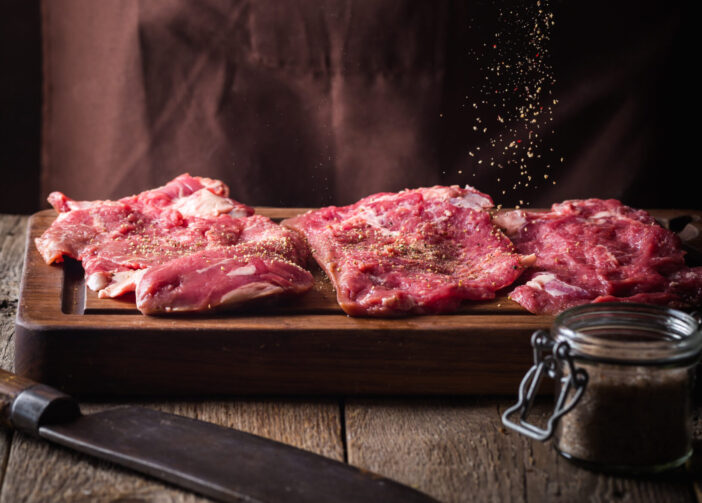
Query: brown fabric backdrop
x,y
316,102
20,104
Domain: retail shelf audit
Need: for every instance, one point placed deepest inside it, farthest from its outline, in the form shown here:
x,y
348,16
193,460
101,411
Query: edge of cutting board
x,y
67,338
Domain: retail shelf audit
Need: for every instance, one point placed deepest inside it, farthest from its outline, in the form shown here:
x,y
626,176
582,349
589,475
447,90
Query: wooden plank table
x,y
454,448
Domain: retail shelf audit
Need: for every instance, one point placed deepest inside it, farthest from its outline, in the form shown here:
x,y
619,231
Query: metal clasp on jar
x,y
549,365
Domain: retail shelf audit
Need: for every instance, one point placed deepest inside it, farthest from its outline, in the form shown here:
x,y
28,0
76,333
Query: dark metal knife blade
x,y
223,463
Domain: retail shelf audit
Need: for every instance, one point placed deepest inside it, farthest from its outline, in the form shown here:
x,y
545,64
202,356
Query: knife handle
x,y
11,385
25,405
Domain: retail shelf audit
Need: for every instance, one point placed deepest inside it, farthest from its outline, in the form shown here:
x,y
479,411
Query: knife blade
x,y
222,463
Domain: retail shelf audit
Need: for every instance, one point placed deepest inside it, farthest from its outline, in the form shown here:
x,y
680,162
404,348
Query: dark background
x,y
20,105
625,121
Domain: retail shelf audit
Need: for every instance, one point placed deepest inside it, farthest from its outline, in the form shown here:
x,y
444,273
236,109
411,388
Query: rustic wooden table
x,y
454,449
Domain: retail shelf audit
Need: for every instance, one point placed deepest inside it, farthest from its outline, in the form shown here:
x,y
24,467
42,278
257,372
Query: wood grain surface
x,y
453,448
12,231
457,450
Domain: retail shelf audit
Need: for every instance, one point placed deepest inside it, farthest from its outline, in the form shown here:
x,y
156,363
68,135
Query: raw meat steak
x,y
599,251
266,262
119,242
417,251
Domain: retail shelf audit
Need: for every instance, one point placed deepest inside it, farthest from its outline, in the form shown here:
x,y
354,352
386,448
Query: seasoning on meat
x,y
265,262
177,230
599,251
417,251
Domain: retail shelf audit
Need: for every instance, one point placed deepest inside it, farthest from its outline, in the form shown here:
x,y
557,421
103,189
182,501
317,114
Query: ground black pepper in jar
x,y
624,375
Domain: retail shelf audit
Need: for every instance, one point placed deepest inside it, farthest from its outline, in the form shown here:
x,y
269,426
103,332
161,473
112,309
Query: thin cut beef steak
x,y
266,262
599,251
417,251
119,242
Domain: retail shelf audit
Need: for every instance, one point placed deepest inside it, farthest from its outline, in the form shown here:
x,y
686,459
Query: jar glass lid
x,y
629,334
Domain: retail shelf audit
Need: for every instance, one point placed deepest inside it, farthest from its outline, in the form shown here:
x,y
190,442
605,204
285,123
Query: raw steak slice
x,y
215,280
118,242
191,196
417,251
599,251
266,262
115,240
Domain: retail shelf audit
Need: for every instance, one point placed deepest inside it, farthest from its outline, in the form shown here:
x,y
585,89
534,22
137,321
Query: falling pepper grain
x,y
517,86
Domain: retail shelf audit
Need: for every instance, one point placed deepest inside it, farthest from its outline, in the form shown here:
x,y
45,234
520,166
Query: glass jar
x,y
624,375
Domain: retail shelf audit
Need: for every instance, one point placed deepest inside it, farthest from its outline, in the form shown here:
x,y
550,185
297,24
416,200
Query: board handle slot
x,y
73,292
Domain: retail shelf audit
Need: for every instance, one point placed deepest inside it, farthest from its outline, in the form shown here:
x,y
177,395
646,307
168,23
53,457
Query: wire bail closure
x,y
549,365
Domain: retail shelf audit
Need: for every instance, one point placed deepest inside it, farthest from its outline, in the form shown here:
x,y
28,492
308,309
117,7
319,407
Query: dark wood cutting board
x,y
68,338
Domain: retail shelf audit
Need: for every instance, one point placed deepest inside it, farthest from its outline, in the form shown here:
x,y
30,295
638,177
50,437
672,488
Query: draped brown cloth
x,y
317,102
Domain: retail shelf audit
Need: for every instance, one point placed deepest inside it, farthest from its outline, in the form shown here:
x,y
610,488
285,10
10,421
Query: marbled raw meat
x,y
597,250
267,261
418,251
119,242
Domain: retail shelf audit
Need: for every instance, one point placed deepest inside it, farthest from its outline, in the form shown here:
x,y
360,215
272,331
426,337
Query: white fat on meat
x,y
247,270
205,203
607,214
98,281
211,266
249,292
401,302
527,260
240,271
122,282
553,286
369,216
471,200
511,221
216,186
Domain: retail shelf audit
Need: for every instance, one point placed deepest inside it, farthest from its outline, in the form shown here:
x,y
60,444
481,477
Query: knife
x,y
222,463
689,230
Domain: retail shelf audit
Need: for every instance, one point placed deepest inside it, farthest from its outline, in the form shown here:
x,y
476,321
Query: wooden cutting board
x,y
68,338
